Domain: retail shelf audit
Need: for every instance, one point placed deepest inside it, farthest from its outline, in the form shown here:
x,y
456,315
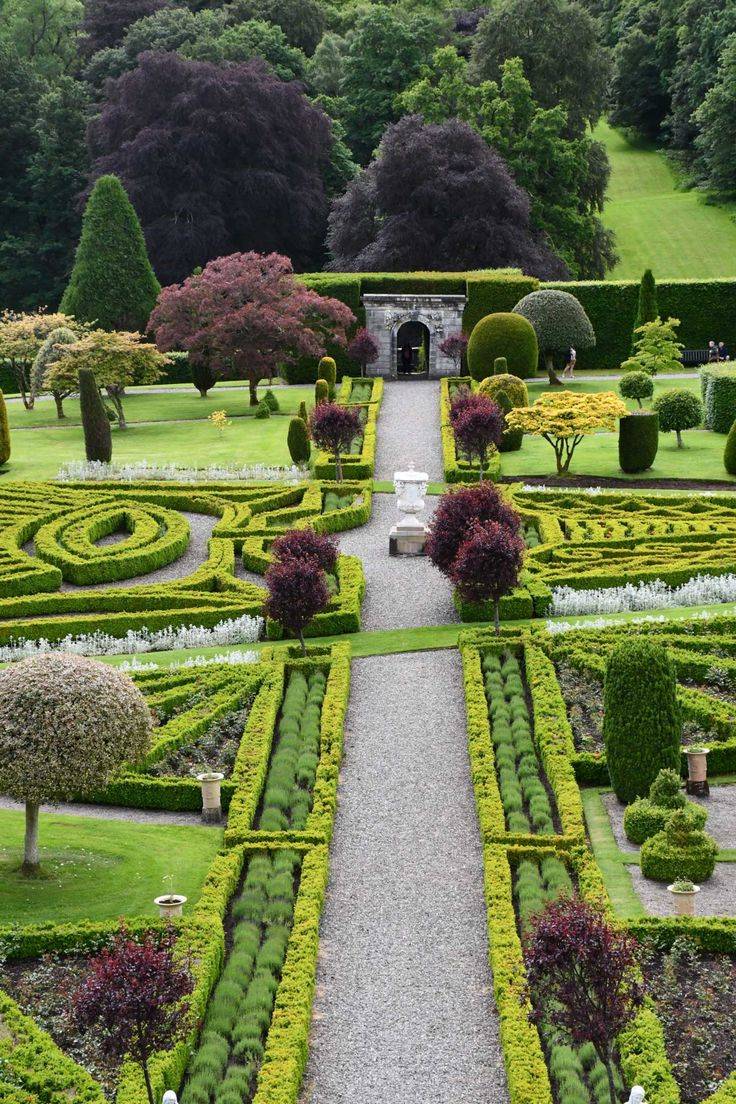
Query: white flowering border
x,y
233,658
237,630
97,472
701,590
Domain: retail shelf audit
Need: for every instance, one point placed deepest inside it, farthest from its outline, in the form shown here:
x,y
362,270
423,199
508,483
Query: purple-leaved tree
x,y
363,349
297,591
334,428
305,544
454,346
487,564
478,429
582,976
134,993
455,516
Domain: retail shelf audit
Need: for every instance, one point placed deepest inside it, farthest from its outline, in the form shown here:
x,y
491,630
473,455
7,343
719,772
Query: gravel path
x,y
112,812
404,1011
409,429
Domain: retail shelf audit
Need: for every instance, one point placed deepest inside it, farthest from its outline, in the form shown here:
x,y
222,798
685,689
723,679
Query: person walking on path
x,y
572,357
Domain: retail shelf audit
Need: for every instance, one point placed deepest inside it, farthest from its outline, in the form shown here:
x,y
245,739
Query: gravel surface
x,y
717,896
409,429
401,591
200,531
721,824
113,812
404,1011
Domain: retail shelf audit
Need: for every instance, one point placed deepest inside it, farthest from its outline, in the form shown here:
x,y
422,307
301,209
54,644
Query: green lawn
x,y
100,869
658,226
38,453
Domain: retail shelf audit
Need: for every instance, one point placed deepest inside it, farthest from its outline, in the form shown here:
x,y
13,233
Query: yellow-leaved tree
x,y
564,418
117,359
21,337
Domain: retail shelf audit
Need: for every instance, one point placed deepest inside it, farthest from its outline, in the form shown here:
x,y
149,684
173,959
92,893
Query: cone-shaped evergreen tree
x,y
95,422
112,282
647,309
4,431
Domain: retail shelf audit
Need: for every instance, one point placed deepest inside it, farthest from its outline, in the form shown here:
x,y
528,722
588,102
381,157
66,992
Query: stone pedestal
x,y
408,537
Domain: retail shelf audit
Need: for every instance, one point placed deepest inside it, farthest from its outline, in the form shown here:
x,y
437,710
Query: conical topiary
x,y
95,422
112,282
297,440
303,412
4,431
647,309
327,370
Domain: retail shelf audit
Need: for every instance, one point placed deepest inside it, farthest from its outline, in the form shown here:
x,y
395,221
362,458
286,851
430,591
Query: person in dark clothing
x,y
406,359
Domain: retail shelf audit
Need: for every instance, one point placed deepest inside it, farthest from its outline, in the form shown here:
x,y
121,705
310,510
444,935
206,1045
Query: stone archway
x,y
413,335
442,315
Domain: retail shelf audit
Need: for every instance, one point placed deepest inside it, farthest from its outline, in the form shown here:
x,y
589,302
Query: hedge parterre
x,y
52,535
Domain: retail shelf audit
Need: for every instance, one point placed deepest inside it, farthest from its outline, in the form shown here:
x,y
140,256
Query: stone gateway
x,y
408,330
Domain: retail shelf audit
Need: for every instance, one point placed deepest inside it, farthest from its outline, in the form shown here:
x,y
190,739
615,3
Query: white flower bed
x,y
233,658
238,630
701,590
97,471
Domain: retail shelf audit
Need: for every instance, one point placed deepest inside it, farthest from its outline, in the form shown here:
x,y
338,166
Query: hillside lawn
x,y
659,226
94,869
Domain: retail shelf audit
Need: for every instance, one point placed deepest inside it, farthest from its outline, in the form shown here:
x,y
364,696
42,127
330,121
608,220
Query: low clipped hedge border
x,y
362,464
456,469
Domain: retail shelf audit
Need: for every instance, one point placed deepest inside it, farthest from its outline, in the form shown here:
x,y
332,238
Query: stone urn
x,y
408,537
211,802
683,895
697,771
170,905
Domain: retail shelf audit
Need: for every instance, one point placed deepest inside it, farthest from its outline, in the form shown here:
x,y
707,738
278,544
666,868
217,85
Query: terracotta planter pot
x,y
170,905
684,900
697,764
211,802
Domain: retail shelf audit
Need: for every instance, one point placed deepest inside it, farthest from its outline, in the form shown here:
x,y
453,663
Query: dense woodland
x,y
353,136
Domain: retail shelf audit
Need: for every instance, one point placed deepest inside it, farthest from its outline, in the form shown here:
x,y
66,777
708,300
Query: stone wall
x,y
385,314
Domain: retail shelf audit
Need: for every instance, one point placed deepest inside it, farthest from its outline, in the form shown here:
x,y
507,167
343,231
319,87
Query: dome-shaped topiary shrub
x,y
638,441
509,392
297,440
642,724
502,335
681,850
648,815
500,366
559,322
636,385
66,723
729,453
321,391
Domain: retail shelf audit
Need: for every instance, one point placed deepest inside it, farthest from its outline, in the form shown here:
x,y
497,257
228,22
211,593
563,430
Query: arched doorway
x,y
412,349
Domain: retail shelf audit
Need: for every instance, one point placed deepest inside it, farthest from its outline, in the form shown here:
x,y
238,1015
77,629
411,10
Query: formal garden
x,y
367,715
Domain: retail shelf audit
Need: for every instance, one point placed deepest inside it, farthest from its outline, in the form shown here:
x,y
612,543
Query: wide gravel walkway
x,y
409,429
404,1012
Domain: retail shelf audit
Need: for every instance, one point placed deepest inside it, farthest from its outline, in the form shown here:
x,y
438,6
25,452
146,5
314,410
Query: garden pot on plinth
x,y
684,895
211,803
170,905
697,771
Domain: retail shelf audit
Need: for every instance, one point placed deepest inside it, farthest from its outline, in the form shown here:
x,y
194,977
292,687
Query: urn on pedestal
x,y
409,535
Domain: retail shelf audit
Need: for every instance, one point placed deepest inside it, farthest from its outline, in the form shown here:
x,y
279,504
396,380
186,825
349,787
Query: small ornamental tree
x,y
95,422
488,563
479,429
248,314
463,399
333,429
565,418
112,283
656,348
134,994
647,309
454,346
583,977
117,359
636,385
47,355
678,410
297,591
66,722
297,441
305,544
559,321
455,517
21,338
363,349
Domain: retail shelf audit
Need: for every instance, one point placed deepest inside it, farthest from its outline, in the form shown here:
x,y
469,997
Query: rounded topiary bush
x,y
681,850
636,385
509,392
271,401
500,366
679,409
648,815
297,440
638,441
502,335
729,453
642,724
321,391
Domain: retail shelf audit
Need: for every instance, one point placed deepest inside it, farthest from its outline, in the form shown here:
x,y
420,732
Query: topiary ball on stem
x,y
636,385
678,410
559,322
66,723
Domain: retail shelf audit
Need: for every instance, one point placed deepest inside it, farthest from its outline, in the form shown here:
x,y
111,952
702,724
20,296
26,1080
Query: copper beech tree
x,y
245,315
333,428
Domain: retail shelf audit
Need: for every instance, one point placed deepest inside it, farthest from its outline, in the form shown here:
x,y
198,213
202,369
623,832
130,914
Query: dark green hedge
x,y
638,441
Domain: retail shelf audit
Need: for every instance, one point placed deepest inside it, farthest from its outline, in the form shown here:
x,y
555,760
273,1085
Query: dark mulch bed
x,y
695,996
43,989
623,484
214,751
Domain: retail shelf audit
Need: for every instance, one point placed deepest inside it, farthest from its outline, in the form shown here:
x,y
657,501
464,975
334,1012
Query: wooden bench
x,y
695,356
